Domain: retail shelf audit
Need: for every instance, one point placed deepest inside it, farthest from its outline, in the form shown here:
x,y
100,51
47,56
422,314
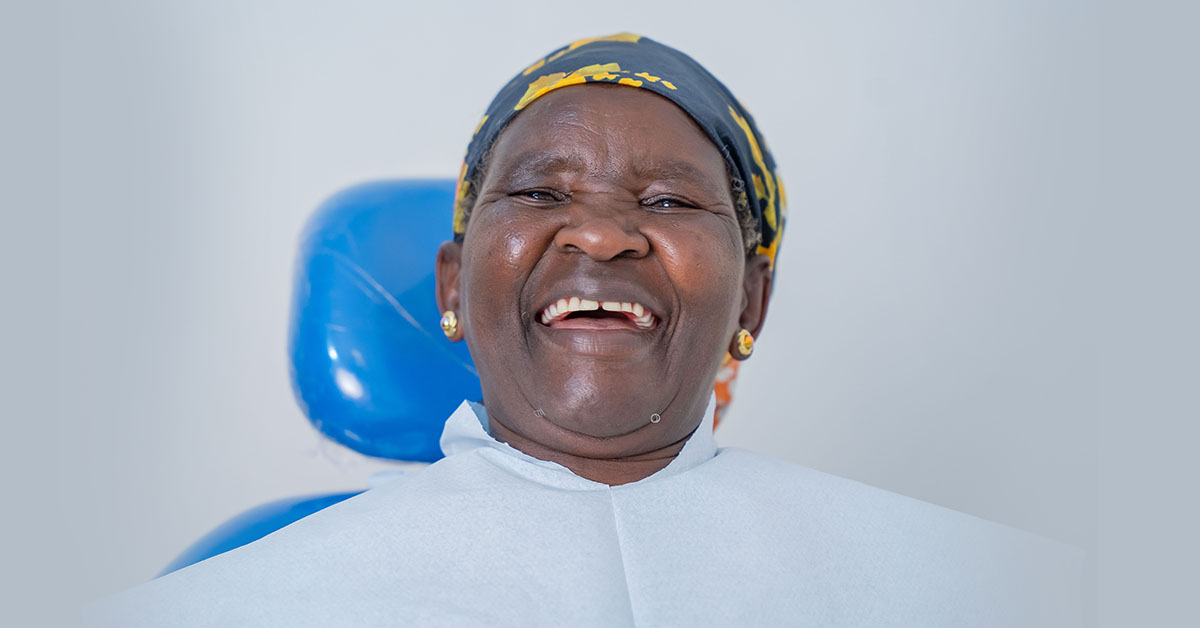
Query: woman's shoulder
x,y
800,491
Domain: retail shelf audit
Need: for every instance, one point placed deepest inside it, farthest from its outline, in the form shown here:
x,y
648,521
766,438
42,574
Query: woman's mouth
x,y
581,313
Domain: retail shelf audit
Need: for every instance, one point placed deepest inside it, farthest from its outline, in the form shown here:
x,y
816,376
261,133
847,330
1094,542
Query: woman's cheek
x,y
515,237
514,250
702,264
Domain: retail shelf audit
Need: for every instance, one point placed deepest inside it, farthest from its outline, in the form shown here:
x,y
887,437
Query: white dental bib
x,y
490,536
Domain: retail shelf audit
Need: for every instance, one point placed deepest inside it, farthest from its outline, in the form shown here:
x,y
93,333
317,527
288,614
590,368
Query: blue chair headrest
x,y
370,365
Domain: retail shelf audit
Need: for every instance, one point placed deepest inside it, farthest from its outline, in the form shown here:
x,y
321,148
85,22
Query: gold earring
x,y
744,343
449,323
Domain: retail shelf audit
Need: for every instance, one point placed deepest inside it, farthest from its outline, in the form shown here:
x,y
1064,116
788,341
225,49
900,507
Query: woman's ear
x,y
757,286
446,271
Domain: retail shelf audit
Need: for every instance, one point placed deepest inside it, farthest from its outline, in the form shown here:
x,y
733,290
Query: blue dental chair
x,y
370,366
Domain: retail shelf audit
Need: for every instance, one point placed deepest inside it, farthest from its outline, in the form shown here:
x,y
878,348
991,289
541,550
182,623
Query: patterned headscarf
x,y
640,62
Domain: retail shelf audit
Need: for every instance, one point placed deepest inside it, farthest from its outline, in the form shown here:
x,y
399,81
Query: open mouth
x,y
580,313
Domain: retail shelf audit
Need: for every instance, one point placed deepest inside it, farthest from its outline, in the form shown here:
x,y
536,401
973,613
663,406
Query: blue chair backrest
x,y
370,366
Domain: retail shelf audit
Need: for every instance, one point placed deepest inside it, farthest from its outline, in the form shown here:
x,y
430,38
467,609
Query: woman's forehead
x,y
597,127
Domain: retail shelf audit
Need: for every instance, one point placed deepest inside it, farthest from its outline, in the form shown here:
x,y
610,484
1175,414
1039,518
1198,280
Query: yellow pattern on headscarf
x,y
756,153
770,250
550,82
540,63
764,187
460,193
782,195
595,72
628,37
462,187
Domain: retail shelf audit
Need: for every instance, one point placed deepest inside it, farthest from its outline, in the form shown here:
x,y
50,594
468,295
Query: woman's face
x,y
608,199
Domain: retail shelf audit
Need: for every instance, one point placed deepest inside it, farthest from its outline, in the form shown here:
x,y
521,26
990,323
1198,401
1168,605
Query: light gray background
x,y
933,322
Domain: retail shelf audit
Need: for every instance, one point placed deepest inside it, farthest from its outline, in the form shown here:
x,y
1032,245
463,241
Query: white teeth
x,y
641,317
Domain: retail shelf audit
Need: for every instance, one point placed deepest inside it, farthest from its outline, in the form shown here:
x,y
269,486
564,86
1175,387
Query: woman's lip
x,y
600,343
598,324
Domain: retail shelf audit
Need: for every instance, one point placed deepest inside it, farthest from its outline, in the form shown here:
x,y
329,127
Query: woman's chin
x,y
615,425
599,423
606,399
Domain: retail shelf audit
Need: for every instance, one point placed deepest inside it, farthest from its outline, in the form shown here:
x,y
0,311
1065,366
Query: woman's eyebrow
x,y
535,163
672,170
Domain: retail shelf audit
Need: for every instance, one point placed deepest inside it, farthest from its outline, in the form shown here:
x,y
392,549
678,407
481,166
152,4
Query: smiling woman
x,y
607,263
602,196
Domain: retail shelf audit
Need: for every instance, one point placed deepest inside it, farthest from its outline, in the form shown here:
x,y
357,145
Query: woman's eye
x,y
542,196
668,202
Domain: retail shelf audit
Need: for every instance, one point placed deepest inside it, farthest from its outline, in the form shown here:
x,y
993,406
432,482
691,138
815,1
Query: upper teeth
x,y
641,316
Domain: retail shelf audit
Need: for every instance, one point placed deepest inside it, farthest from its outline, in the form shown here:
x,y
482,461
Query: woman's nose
x,y
602,232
